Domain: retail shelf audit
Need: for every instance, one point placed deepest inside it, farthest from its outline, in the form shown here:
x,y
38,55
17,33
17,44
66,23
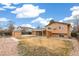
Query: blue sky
x,y
38,14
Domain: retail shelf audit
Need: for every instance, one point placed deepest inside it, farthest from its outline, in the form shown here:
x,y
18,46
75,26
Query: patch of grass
x,y
68,44
25,49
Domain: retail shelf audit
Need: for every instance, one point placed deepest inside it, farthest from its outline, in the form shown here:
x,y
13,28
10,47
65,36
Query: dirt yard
x,y
75,51
8,47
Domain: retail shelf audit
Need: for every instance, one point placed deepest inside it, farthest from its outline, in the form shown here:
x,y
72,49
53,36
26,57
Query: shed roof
x,y
39,29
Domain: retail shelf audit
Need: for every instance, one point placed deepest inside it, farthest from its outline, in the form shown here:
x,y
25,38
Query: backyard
x,y
38,46
42,46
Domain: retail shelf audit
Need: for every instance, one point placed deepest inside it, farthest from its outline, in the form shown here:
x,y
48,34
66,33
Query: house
x,y
54,29
26,30
19,31
58,29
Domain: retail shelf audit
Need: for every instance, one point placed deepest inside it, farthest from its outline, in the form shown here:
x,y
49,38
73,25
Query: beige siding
x,y
64,28
16,34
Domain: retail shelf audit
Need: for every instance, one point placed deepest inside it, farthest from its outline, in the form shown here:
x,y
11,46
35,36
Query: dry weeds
x,y
42,46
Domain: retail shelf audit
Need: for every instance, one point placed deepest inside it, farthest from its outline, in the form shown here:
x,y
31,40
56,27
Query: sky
x,y
37,14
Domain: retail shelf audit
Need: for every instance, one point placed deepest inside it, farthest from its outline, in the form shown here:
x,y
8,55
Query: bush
x,y
74,34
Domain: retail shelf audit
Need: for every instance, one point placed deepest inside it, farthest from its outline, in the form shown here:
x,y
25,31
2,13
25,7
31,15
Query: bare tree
x,y
77,22
1,30
10,27
75,31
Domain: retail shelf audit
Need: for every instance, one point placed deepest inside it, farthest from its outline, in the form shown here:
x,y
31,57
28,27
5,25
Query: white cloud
x,y
28,11
42,21
71,18
75,10
15,26
72,24
7,6
74,16
27,25
68,18
4,19
1,9
74,13
9,3
60,20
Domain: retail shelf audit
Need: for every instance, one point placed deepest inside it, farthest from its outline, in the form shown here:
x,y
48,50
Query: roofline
x,y
58,22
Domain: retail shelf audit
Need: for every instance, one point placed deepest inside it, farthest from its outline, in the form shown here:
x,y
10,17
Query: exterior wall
x,y
65,35
33,32
55,28
49,34
44,33
16,34
39,33
69,31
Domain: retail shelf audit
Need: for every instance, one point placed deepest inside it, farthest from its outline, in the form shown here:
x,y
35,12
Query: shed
x,y
16,32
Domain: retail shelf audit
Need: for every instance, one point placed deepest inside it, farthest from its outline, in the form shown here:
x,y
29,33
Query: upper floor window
x,y
61,27
49,28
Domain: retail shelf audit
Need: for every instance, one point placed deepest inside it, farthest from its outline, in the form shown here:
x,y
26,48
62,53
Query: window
x,y
49,27
61,35
61,27
54,28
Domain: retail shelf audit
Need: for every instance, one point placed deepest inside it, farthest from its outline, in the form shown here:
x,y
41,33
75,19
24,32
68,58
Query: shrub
x,y
74,34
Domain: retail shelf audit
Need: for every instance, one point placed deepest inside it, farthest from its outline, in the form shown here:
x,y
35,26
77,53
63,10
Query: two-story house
x,y
56,29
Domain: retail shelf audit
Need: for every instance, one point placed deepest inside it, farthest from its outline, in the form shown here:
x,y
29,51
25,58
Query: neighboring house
x,y
26,30
18,31
57,29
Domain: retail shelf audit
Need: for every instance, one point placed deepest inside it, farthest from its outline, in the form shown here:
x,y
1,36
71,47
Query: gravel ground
x,y
8,47
75,51
75,48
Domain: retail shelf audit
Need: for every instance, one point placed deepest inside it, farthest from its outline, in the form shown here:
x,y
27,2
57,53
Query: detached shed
x,y
16,32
